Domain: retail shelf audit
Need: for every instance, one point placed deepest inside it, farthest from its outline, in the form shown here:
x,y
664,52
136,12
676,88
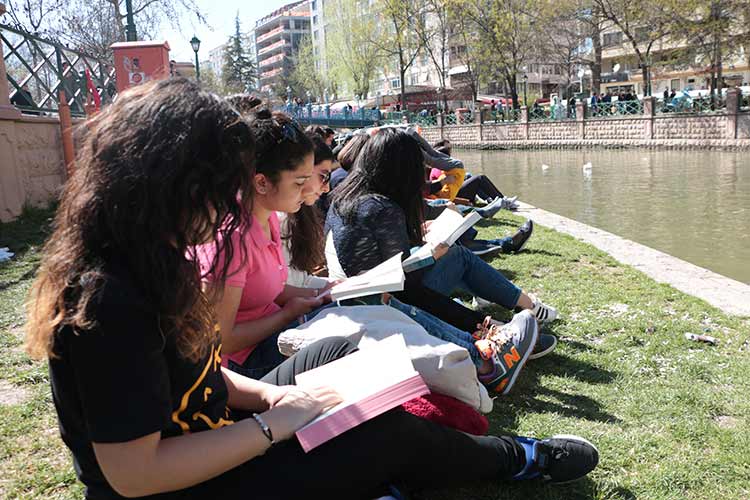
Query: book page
x,y
364,372
386,277
449,226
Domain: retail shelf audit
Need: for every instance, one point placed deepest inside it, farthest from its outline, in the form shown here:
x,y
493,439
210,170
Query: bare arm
x,y
150,464
238,336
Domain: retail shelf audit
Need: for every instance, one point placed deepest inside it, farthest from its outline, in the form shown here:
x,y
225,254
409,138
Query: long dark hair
x,y
164,168
280,143
349,153
304,234
391,164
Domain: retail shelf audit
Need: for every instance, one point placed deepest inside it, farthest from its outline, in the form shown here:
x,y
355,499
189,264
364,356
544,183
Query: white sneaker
x,y
543,312
478,303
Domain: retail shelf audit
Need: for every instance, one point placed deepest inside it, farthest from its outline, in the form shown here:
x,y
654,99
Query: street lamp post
x,y
525,80
130,34
196,44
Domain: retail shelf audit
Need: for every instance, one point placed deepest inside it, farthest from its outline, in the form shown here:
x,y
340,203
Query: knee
x,y
335,347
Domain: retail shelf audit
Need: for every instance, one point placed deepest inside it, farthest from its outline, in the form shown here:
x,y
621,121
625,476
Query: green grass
x,y
671,417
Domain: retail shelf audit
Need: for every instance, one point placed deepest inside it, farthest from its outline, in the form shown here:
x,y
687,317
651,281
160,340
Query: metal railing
x,y
615,108
686,104
506,115
555,112
38,69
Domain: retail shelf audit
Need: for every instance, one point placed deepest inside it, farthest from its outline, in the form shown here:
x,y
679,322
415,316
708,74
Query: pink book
x,y
371,382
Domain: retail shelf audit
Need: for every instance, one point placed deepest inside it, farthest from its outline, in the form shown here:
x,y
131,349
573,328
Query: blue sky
x,y
220,14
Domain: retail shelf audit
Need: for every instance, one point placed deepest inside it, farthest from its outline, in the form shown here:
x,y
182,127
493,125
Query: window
x,y
315,35
315,19
312,5
610,39
396,83
675,84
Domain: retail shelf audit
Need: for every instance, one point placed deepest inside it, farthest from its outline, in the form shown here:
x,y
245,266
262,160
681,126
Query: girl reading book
x,y
372,218
143,403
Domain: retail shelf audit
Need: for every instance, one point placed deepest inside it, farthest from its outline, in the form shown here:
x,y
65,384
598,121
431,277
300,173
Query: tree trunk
x,y
646,82
596,66
402,73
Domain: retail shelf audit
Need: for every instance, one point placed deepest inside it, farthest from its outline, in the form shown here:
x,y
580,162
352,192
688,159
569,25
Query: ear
x,y
261,184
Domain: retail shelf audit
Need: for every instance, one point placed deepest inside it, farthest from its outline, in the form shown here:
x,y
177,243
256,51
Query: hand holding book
x,y
298,407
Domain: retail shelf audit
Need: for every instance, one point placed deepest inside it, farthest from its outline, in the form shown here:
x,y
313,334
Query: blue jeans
x,y
440,329
461,269
266,356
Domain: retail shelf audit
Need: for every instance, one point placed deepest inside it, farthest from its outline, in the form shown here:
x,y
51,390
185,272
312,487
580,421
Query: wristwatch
x,y
264,427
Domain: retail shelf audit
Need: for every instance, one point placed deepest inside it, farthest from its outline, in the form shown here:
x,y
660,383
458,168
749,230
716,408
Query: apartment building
x,y
422,83
276,38
621,71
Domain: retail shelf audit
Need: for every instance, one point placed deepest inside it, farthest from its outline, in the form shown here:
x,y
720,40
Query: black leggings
x,y
478,185
395,448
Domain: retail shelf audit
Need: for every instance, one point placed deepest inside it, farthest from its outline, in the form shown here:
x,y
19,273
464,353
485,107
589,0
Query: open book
x,y
447,228
370,382
386,277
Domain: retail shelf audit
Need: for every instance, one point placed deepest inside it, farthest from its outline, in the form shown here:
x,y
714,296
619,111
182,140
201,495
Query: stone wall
x,y
553,130
503,132
616,129
461,133
32,169
691,127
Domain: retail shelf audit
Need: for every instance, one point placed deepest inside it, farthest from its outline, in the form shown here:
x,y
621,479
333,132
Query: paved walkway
x,y
731,296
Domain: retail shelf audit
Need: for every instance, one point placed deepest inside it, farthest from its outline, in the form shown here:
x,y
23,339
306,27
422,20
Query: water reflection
x,y
691,204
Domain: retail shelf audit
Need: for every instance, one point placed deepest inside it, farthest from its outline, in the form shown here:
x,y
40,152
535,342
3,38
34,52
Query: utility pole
x,y
130,34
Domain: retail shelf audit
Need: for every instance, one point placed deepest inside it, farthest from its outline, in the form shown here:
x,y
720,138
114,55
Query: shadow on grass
x,y
584,489
531,396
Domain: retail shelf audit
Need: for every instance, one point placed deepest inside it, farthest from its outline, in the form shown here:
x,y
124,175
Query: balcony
x,y
271,60
274,46
620,76
271,34
266,75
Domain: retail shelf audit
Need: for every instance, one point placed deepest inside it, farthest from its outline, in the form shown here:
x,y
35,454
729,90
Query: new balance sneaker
x,y
508,348
545,345
492,208
542,311
559,459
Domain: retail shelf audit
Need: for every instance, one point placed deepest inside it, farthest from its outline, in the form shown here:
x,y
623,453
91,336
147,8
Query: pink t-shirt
x,y
435,174
261,277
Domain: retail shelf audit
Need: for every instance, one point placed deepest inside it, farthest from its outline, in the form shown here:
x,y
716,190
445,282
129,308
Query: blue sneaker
x,y
559,459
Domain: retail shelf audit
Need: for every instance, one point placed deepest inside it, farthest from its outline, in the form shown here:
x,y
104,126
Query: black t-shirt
x,y
123,380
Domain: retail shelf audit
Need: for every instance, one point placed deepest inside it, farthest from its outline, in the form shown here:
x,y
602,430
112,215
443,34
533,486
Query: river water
x,y
694,205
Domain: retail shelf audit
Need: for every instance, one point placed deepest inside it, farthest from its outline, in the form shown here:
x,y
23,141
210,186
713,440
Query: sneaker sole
x,y
543,353
523,360
573,437
486,251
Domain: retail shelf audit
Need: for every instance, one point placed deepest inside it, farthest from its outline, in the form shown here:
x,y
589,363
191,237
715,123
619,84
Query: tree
x,y
506,37
709,31
467,47
643,24
399,38
91,26
305,73
435,35
209,81
238,73
350,58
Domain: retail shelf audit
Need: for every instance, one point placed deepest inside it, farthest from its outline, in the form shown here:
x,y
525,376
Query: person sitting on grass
x,y
142,401
373,218
256,304
487,342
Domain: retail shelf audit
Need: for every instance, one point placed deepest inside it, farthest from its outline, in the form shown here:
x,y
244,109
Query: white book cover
x,y
386,277
449,226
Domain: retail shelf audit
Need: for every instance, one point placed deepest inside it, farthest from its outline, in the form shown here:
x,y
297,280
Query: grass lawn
x,y
671,417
